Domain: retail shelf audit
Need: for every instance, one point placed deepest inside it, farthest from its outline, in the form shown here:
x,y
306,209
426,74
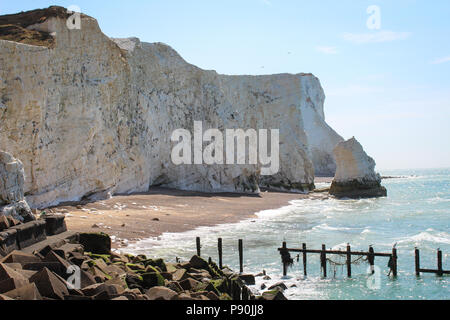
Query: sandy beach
x,y
130,218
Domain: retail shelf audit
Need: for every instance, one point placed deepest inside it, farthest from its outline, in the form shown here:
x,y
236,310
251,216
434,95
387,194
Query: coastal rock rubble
x,y
12,200
90,116
44,275
355,175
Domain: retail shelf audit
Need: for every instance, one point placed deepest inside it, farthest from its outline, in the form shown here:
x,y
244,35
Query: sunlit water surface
x,y
416,213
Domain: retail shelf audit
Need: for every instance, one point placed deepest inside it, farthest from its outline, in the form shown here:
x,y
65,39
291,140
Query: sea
x,y
416,214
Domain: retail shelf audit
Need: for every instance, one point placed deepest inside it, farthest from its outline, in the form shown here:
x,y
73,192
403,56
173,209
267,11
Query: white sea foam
x,y
427,236
327,227
437,199
267,214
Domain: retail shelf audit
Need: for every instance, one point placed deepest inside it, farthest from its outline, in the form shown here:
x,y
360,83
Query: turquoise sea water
x,y
416,213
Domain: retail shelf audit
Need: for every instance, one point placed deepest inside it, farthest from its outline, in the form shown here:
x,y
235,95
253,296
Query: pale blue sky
x,y
390,88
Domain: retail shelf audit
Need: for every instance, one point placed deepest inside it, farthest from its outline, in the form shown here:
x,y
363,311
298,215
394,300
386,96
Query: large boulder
x,y
12,179
273,295
49,285
10,279
355,175
27,292
160,293
97,243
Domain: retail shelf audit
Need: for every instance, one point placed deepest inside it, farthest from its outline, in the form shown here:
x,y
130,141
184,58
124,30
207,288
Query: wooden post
x,y
349,261
371,259
245,294
394,262
439,263
284,264
241,256
236,291
198,246
219,247
324,261
304,259
417,255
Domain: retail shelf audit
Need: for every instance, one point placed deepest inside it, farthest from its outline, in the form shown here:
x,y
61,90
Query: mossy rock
x,y
151,268
219,284
201,287
156,263
98,273
273,295
96,243
225,296
211,288
171,267
140,272
134,281
120,281
214,270
200,263
105,257
141,257
135,267
152,279
238,280
90,263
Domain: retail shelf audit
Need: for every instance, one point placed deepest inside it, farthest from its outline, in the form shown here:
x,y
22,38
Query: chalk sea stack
x,y
355,174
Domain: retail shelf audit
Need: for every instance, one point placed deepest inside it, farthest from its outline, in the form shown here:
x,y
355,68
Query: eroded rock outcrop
x,y
12,201
355,175
89,115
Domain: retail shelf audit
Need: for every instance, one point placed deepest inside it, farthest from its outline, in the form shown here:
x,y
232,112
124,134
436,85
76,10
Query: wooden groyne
x,y
348,253
370,255
325,255
439,271
220,252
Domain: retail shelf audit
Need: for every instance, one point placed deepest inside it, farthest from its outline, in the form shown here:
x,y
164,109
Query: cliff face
x,y
89,115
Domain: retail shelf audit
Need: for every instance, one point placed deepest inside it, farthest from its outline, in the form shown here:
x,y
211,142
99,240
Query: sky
x,y
384,65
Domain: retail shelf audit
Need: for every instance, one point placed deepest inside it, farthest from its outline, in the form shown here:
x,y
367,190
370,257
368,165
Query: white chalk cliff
x,y
88,115
355,174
